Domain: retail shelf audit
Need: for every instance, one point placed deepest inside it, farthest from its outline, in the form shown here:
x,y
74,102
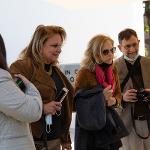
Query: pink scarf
x,y
105,76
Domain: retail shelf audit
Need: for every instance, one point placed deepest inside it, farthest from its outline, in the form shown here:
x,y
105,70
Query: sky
x,y
81,19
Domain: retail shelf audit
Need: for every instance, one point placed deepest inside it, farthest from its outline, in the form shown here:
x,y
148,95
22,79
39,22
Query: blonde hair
x,y
40,36
93,53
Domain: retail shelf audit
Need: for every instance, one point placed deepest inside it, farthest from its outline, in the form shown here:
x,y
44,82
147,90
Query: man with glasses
x,y
134,74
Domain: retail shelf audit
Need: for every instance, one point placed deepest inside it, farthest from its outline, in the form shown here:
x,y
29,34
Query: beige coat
x,y
125,113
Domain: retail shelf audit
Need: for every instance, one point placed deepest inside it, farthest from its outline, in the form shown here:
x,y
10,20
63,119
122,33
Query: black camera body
x,y
20,83
143,96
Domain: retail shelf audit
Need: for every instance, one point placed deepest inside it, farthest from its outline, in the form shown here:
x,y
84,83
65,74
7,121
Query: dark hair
x,y
3,61
126,34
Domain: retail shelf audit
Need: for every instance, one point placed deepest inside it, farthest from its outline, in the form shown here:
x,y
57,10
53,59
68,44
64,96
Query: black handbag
x,y
90,108
93,116
114,126
113,130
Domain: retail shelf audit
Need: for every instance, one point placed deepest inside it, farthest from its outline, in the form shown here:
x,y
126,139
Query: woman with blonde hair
x,y
97,68
39,63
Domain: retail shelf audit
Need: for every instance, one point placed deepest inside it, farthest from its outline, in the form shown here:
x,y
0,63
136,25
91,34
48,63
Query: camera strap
x,y
125,81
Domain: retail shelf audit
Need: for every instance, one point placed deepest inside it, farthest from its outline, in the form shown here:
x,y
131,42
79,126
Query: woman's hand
x,y
23,78
112,101
107,93
108,96
66,146
52,107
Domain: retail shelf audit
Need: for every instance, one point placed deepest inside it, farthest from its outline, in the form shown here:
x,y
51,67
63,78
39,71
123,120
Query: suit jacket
x,y
17,110
46,86
125,113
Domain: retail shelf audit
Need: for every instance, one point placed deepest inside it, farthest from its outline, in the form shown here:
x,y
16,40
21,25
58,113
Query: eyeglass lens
x,y
106,51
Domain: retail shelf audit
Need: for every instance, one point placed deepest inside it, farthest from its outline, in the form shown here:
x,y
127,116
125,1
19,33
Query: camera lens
x,y
143,96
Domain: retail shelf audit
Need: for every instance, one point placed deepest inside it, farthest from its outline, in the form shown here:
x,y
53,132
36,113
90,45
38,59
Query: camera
x,y
20,83
143,96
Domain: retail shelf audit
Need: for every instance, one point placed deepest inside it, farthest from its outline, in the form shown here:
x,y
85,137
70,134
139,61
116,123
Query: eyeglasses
x,y
106,51
128,46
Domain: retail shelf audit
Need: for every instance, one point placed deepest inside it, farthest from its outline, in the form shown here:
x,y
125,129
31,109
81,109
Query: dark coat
x,y
87,140
46,86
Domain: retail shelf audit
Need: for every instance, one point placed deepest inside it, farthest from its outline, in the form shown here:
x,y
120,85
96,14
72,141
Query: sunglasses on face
x,y
128,46
106,51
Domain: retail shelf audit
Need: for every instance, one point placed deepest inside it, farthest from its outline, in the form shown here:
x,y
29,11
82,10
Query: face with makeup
x,y
107,52
51,49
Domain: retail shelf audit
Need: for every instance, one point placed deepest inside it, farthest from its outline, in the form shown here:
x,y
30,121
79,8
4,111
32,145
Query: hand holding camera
x,y
130,95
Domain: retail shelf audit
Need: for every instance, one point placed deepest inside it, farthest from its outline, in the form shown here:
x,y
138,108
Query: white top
x,y
17,110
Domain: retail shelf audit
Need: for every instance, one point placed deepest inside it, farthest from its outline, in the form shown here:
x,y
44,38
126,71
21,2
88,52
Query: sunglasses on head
x,y
128,46
106,51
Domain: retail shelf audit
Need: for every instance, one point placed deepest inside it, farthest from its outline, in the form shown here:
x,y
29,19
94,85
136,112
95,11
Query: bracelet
x,y
116,104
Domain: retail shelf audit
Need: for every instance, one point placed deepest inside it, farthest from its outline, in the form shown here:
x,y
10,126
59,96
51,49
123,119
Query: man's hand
x,y
147,90
130,95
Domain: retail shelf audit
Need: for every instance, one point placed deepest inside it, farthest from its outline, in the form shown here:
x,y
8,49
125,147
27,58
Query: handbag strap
x,y
134,126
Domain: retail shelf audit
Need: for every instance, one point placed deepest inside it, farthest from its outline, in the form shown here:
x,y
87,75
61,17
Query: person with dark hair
x,y
39,63
17,109
3,62
134,78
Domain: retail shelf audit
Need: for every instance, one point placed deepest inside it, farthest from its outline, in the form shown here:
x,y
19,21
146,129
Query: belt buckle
x,y
140,117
